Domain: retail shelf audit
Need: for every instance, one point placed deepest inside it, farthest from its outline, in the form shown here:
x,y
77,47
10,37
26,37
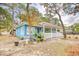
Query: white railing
x,y
53,35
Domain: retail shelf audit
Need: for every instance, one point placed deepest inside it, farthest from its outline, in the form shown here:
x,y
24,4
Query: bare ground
x,y
46,48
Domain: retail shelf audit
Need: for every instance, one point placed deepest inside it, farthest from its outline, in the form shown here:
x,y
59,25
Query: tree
x,y
35,16
11,9
72,9
31,16
5,20
76,27
26,16
44,19
53,9
55,21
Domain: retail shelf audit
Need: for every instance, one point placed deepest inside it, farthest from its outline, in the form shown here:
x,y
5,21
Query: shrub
x,y
38,36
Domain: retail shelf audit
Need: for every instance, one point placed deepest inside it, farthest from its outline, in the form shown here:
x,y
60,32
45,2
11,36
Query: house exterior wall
x,y
53,33
18,32
21,31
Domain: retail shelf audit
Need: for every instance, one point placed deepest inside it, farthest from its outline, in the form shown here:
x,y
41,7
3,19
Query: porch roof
x,y
49,25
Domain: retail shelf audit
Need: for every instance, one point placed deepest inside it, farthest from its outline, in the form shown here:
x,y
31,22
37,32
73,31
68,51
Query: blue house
x,y
48,30
22,30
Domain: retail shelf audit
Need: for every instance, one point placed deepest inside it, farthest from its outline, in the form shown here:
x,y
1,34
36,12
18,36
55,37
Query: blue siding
x,y
18,32
25,29
21,31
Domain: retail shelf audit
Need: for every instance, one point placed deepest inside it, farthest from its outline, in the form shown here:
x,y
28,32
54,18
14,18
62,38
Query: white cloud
x,y
39,7
70,19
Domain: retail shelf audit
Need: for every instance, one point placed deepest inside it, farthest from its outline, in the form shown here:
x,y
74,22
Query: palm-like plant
x,y
5,19
11,9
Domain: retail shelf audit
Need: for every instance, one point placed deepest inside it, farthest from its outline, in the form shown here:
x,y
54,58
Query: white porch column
x,y
56,32
51,33
56,29
44,31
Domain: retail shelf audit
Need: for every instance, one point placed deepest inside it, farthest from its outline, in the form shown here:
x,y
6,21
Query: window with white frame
x,y
47,30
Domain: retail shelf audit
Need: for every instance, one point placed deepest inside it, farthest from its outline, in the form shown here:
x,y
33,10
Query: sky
x,y
70,19
39,7
67,19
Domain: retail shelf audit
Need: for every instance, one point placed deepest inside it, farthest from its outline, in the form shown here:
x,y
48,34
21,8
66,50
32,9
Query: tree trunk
x,y
0,30
12,31
27,8
64,32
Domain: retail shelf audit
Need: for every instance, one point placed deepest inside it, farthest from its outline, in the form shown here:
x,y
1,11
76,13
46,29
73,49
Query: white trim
x,y
51,33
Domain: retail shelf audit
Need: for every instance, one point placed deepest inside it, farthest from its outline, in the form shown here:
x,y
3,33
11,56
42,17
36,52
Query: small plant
x,y
35,35
38,36
38,40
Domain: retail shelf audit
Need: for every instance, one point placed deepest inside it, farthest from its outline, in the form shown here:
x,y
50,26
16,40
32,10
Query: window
x,y
47,30
38,29
53,30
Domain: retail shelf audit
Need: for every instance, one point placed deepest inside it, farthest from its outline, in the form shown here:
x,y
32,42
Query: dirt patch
x,y
58,47
72,50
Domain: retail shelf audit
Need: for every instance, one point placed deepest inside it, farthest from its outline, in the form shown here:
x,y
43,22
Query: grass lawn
x,y
54,47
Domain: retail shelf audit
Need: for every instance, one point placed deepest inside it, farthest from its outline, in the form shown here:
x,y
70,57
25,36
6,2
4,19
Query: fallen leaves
x,y
72,50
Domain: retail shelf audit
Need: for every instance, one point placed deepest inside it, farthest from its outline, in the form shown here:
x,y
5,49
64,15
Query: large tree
x,y
31,15
53,9
11,8
26,16
5,20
